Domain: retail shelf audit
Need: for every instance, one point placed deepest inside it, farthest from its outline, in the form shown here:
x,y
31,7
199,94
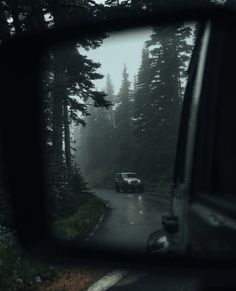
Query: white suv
x,y
128,181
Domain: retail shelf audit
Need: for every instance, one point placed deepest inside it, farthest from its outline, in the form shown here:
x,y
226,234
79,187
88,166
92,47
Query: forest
x,y
138,133
135,129
141,122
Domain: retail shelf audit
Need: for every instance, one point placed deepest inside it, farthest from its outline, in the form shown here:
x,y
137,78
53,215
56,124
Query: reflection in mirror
x,y
112,111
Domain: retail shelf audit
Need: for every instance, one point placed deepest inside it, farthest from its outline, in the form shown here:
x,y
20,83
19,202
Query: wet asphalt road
x,y
129,220
126,226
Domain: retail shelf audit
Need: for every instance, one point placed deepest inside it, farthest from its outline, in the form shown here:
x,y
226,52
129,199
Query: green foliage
x,y
65,199
142,112
143,125
17,270
158,101
77,181
93,154
122,130
68,92
81,223
5,209
6,218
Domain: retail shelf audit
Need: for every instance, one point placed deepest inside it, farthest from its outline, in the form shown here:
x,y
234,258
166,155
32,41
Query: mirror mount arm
x,y
175,223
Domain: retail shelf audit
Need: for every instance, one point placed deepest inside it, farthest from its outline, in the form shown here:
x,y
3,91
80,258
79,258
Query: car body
x,y
202,219
128,181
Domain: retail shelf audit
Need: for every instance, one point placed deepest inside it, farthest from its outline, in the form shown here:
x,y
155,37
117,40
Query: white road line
x,y
95,227
108,281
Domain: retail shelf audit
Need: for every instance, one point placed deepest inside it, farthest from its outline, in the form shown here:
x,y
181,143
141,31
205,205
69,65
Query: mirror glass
x,y
112,110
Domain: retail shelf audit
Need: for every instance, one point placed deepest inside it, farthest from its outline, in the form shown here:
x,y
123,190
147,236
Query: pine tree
x,y
95,140
111,97
142,100
88,145
141,114
123,132
69,88
170,51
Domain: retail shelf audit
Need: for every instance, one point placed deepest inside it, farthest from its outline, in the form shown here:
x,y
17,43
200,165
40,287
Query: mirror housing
x,y
24,161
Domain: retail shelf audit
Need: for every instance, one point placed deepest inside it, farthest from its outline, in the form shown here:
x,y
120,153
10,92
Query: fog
x,y
119,49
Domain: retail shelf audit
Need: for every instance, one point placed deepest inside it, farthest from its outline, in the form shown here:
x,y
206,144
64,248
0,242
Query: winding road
x,y
129,220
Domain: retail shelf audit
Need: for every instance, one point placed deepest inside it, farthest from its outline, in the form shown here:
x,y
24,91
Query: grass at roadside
x,y
81,223
17,270
20,272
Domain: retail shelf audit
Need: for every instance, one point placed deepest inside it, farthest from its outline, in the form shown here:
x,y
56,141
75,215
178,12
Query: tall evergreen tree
x,y
123,132
94,141
169,51
142,110
142,100
111,97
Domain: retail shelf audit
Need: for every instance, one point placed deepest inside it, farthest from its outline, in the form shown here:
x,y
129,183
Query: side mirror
x,y
55,68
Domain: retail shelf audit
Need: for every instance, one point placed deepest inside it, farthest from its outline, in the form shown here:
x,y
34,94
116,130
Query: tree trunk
x,y
60,176
57,121
67,137
57,129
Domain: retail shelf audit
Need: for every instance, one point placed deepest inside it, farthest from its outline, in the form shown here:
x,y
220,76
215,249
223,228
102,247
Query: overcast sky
x,y
119,49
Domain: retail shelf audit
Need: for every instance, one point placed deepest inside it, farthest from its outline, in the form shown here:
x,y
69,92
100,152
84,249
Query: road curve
x,y
128,221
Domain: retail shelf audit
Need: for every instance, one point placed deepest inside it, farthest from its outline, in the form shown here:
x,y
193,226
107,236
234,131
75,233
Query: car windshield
x,y
129,175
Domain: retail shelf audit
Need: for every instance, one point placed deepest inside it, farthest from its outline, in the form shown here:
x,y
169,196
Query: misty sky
x,y
119,49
